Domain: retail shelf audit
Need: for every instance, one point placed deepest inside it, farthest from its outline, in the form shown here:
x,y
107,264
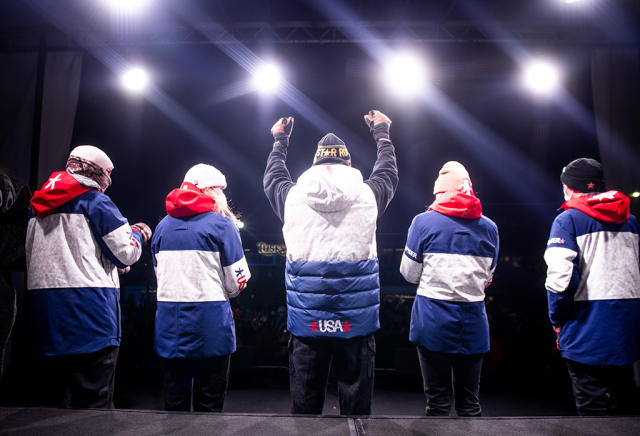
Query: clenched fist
x,y
282,128
378,124
375,117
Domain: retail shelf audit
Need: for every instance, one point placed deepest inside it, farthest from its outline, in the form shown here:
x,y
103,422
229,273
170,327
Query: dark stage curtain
x,y
60,87
615,77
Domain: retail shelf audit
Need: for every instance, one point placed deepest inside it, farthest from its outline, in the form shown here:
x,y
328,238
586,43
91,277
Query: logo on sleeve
x,y
330,326
556,241
241,279
412,254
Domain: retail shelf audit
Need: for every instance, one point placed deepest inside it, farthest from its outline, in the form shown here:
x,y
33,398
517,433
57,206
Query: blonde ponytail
x,y
221,206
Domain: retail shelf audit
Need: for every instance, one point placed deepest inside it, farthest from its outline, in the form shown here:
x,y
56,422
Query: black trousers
x,y
445,375
603,390
75,380
205,379
354,364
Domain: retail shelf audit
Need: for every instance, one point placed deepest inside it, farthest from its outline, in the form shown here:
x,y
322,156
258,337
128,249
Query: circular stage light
x,y
405,75
541,77
267,78
635,194
240,224
135,79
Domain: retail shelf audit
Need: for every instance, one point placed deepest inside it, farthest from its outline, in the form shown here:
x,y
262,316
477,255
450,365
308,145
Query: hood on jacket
x,y
610,206
458,204
188,200
59,189
330,188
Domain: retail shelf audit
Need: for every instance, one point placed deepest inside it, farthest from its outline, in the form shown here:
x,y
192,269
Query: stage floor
x,y
385,402
45,421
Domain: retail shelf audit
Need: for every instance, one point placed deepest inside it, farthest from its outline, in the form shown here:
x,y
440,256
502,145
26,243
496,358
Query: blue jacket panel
x,y
341,292
194,330
74,320
449,326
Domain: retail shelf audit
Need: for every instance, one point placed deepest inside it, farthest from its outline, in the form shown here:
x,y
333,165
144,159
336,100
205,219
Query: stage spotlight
x,y
267,78
127,6
635,194
240,224
135,79
405,75
541,77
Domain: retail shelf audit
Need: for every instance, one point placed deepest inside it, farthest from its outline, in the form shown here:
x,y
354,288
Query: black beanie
x,y
583,175
332,149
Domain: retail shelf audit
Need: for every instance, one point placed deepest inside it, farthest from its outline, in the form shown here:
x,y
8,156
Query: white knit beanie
x,y
94,155
205,176
452,177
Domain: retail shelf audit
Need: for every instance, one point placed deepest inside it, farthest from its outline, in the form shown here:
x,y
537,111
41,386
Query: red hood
x,y
188,200
610,206
458,204
58,190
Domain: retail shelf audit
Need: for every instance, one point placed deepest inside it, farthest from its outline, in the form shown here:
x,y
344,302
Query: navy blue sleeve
x,y
383,180
277,180
155,242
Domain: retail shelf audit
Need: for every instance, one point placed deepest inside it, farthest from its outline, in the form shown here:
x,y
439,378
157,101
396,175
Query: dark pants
x,y
353,361
437,371
206,379
7,317
603,390
75,380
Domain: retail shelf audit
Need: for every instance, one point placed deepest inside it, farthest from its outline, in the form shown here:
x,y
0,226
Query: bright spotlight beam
x,y
405,75
267,78
127,6
541,77
135,79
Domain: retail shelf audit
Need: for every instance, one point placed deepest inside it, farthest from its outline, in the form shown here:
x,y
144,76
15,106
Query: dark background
x,y
514,150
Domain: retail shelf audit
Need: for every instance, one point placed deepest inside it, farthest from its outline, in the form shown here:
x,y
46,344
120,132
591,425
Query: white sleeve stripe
x,y
410,269
122,245
559,268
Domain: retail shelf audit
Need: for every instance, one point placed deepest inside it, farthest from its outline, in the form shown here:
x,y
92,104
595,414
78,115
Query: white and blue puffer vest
x,y
331,275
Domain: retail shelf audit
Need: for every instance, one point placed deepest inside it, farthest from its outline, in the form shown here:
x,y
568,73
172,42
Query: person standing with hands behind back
x,y
451,252
333,292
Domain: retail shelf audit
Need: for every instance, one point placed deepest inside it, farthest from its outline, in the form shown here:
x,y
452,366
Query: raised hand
x,y
282,127
375,117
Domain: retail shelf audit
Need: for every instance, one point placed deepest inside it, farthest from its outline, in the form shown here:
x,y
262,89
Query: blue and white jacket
x,y
452,257
199,264
76,240
329,215
593,280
